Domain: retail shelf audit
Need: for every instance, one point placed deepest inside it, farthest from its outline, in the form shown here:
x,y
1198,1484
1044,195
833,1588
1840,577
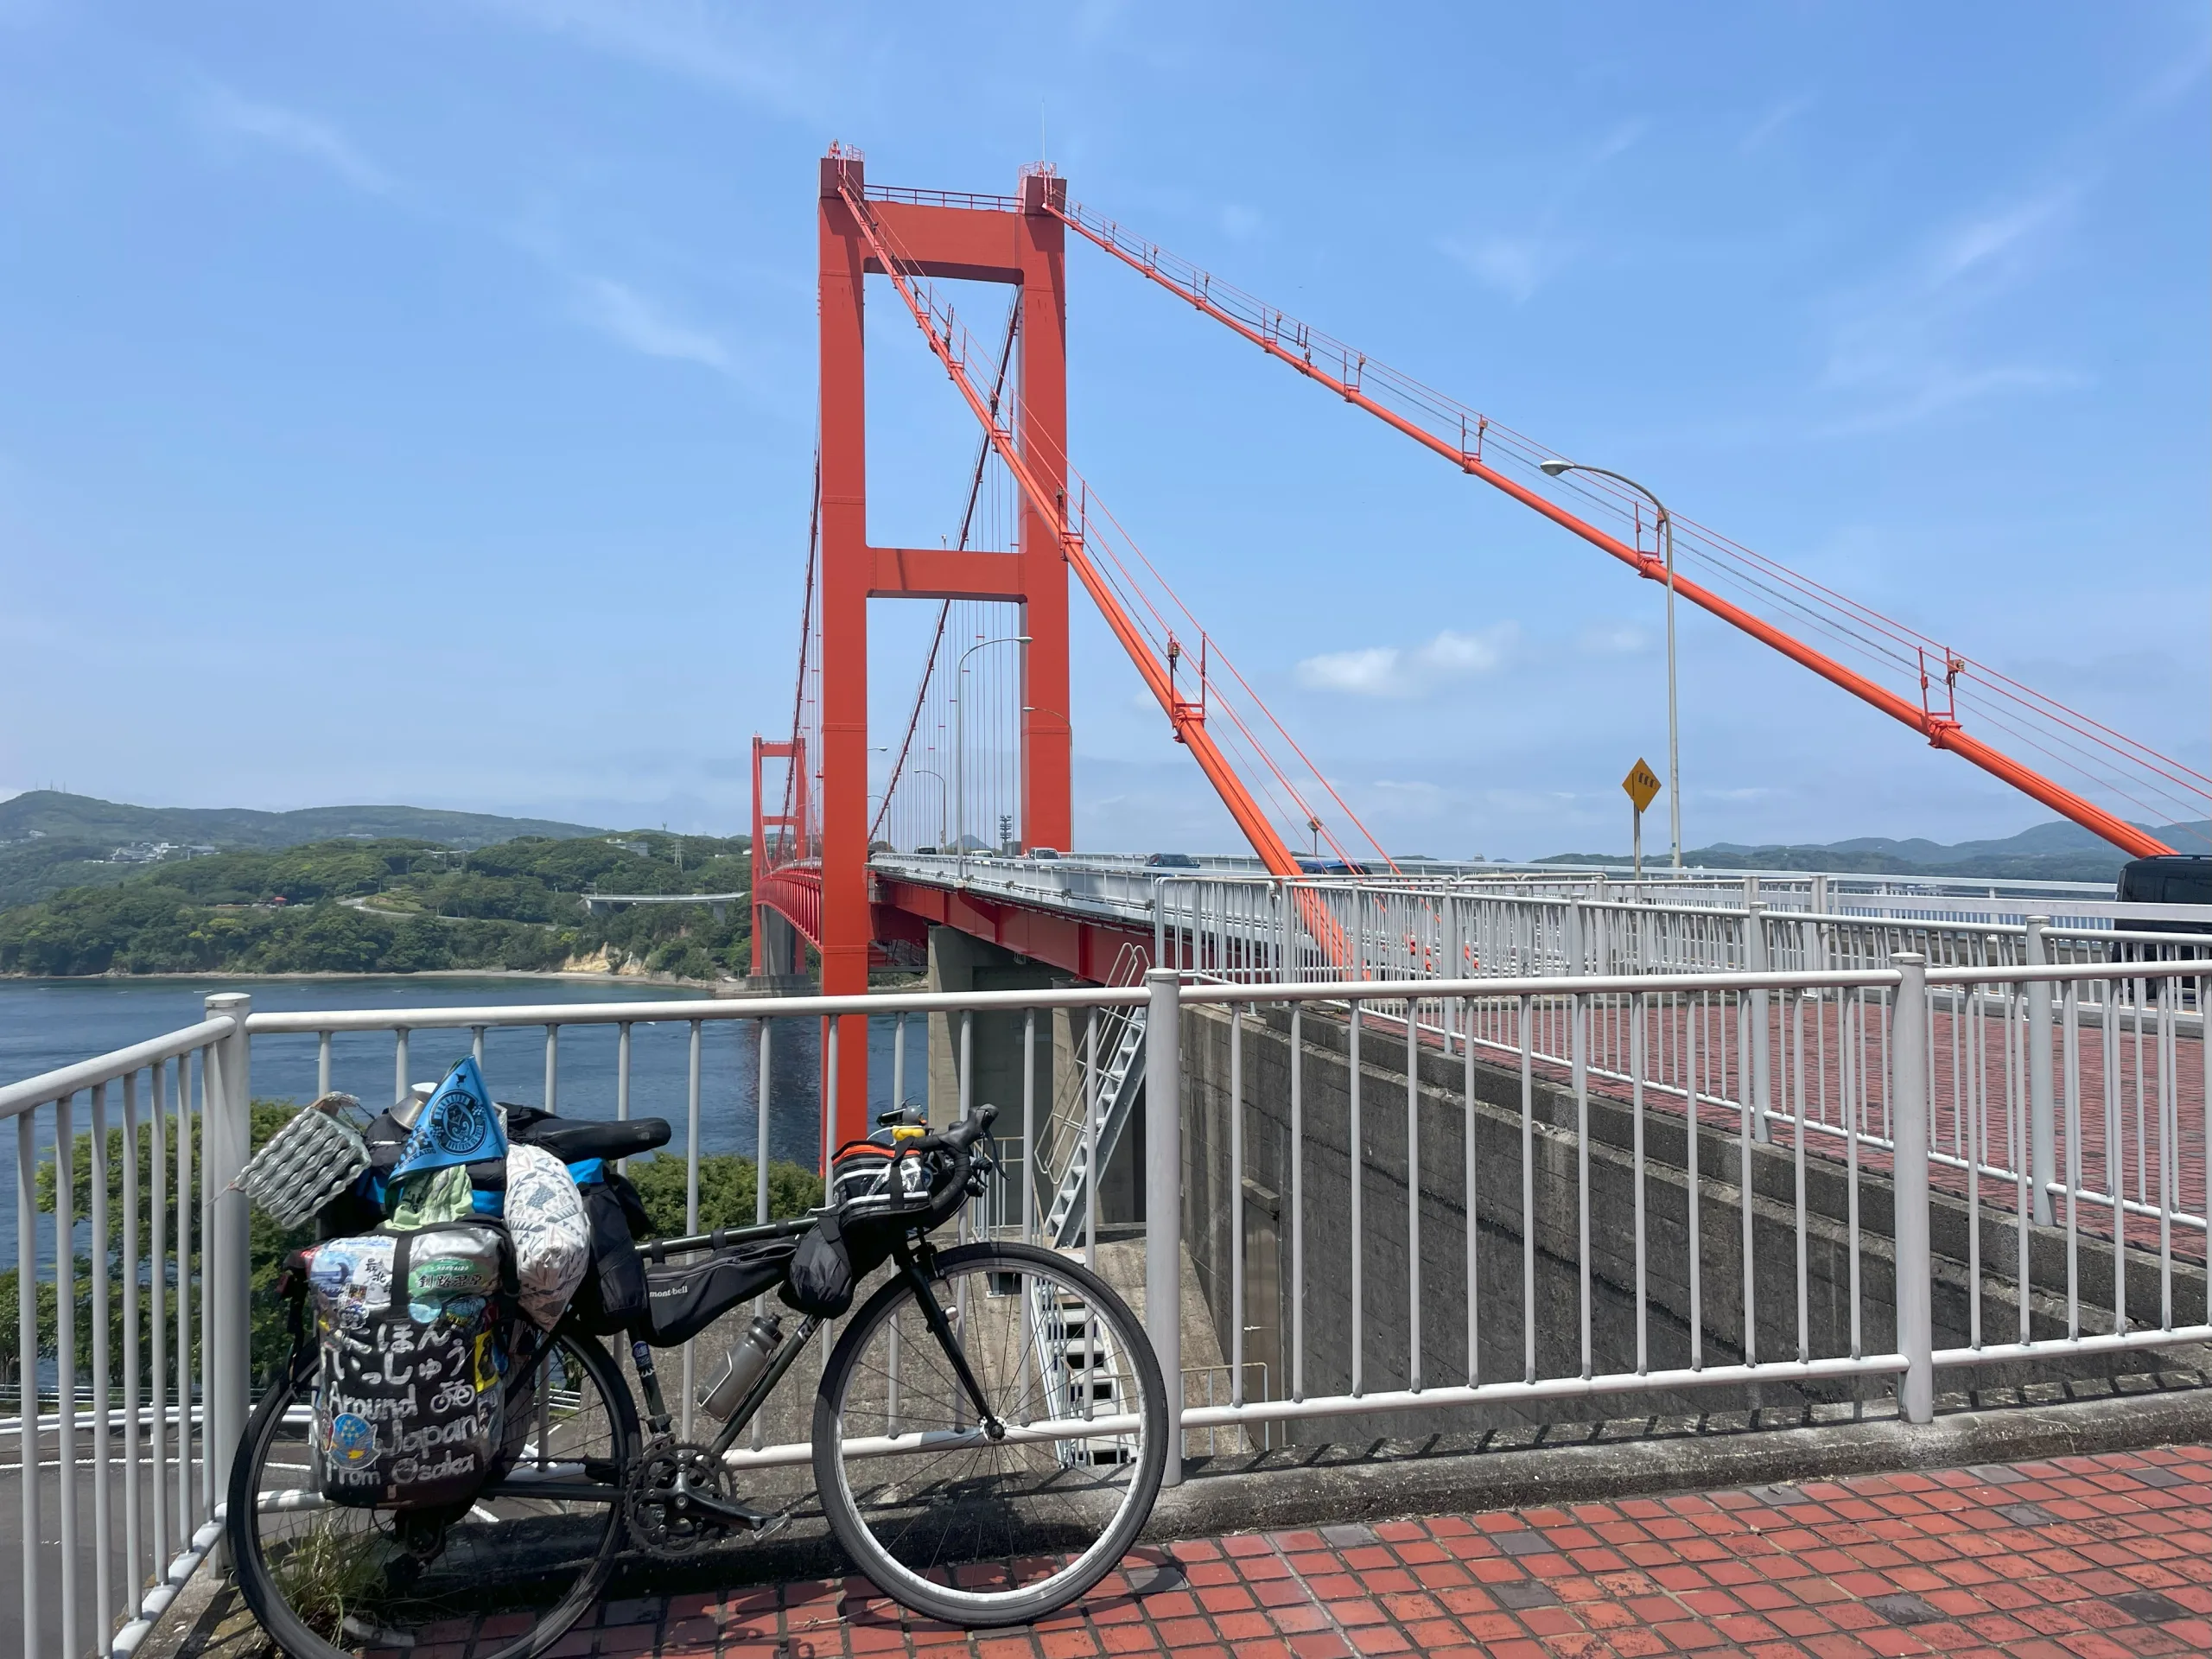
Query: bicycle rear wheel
x,y
943,1516
511,1572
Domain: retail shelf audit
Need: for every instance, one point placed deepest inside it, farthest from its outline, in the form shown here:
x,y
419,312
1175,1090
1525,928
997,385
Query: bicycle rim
x,y
510,1574
946,1519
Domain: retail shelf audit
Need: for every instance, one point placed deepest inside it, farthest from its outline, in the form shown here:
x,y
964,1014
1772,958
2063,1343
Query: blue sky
x,y
416,402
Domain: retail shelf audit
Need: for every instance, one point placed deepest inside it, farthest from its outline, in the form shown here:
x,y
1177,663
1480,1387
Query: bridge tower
x,y
952,236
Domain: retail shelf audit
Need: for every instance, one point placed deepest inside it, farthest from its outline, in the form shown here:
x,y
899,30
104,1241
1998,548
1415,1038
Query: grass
x,y
330,1571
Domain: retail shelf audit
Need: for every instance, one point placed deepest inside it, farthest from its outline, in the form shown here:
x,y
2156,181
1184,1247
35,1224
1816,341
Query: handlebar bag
x,y
820,1280
848,1243
410,1325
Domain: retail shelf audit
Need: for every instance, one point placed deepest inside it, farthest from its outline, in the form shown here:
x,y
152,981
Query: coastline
x,y
708,987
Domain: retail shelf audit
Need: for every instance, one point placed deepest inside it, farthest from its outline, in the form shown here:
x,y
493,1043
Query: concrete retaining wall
x,y
1392,1309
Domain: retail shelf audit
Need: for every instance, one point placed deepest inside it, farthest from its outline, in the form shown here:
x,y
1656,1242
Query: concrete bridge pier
x,y
783,956
996,1043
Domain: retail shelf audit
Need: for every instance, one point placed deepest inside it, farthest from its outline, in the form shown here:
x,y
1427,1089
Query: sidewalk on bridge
x,y
2097,1557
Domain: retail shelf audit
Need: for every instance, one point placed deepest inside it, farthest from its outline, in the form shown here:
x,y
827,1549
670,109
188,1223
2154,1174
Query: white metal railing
x,y
1257,929
2048,1119
159,1378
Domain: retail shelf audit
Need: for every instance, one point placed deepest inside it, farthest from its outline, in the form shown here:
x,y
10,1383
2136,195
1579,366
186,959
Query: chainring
x,y
661,1519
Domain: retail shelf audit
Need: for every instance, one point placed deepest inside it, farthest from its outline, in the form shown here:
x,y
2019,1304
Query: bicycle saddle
x,y
573,1141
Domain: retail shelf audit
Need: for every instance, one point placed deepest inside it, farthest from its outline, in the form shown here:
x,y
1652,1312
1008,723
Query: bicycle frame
x,y
912,1265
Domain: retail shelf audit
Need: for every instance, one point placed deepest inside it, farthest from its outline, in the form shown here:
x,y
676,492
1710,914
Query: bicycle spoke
x,y
980,1528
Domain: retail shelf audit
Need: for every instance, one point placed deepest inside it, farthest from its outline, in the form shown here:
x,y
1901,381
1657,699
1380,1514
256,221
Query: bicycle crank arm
x,y
730,1512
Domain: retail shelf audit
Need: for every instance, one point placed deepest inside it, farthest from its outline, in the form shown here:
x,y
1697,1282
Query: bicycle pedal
x,y
770,1525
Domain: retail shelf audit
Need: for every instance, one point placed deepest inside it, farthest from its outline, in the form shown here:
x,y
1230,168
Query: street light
x,y
960,747
1556,468
942,791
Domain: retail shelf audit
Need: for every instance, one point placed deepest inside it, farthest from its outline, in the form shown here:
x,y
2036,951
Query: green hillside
x,y
2050,852
50,841
394,905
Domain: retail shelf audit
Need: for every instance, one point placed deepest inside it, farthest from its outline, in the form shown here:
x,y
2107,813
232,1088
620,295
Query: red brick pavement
x,y
2083,1557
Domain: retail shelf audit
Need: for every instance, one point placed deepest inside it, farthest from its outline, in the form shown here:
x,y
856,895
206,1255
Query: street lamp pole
x,y
1556,468
932,772
959,744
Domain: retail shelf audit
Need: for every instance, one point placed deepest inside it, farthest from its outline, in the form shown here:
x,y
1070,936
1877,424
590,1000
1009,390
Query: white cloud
x,y
1984,239
1901,352
1517,266
717,45
304,135
629,318
1614,639
1771,122
1240,222
1413,672
1935,387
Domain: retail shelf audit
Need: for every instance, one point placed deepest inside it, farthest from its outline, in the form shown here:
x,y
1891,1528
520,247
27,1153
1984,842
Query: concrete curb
x,y
1371,1488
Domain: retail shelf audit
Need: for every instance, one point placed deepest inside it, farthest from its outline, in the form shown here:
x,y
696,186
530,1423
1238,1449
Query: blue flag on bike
x,y
459,1125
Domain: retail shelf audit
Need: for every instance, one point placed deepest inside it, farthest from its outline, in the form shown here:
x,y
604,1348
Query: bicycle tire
x,y
1036,1507
258,1577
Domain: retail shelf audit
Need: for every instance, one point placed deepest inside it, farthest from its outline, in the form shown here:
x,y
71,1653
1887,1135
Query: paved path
x,y
2085,1558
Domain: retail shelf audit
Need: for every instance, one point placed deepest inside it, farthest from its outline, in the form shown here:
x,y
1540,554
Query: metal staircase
x,y
1075,1358
1120,1081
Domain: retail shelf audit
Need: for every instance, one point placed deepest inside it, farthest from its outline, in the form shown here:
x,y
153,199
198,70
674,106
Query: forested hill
x,y
50,840
2049,852
58,816
396,906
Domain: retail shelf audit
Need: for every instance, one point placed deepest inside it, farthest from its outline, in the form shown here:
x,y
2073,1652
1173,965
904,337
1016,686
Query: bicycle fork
x,y
941,1328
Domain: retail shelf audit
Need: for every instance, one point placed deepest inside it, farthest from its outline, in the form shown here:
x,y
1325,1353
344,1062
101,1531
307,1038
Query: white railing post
x,y
226,1283
1163,1195
1909,1109
2042,1130
1755,958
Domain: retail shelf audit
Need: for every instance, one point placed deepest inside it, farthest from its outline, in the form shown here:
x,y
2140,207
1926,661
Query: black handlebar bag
x,y
889,1192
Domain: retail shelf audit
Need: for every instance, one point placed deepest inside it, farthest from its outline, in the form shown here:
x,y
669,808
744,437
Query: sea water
x,y
48,1023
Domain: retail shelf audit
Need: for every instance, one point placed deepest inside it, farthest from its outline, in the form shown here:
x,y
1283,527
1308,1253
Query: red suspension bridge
x,y
982,761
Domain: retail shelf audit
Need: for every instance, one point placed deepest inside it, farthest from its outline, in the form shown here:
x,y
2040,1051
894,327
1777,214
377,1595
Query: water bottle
x,y
746,1361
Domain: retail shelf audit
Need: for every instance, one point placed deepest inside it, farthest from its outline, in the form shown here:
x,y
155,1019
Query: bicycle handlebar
x,y
960,1136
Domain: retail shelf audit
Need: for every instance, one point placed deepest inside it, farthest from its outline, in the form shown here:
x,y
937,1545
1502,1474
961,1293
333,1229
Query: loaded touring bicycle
x,y
989,1432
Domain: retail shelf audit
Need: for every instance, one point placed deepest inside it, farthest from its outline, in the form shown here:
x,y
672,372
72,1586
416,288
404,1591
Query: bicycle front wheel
x,y
508,1572
1005,1523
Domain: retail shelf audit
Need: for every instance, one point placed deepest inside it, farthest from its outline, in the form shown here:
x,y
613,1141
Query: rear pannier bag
x,y
409,1405
684,1297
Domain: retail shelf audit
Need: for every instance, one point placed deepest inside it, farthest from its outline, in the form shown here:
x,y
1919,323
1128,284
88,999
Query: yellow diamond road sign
x,y
1641,784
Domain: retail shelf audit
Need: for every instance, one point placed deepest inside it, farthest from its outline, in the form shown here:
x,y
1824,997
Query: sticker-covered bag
x,y
408,1408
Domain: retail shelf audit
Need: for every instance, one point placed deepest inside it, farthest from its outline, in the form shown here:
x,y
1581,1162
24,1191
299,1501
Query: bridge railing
x,y
1401,1196
1252,928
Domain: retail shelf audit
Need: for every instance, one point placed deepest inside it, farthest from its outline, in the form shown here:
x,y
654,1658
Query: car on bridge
x,y
1170,861
1313,865
2167,879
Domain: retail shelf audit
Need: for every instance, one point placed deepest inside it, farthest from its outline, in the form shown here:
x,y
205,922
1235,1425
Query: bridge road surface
x,y
90,1636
